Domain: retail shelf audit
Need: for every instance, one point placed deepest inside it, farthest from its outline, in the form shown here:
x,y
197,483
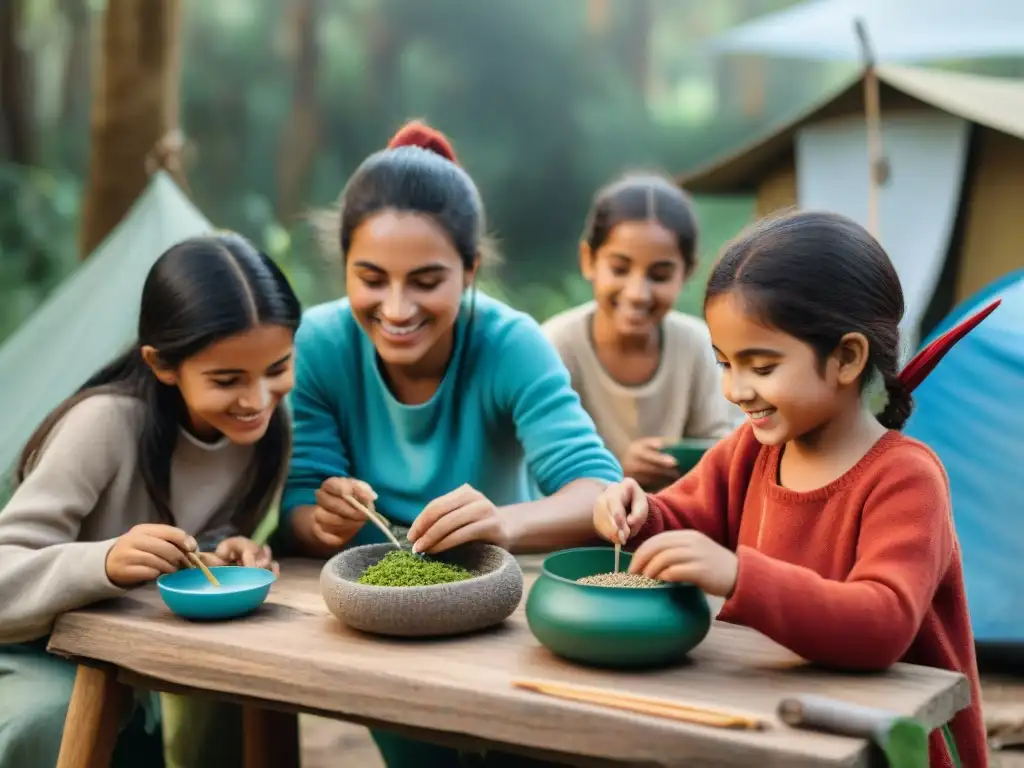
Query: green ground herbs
x,y
404,569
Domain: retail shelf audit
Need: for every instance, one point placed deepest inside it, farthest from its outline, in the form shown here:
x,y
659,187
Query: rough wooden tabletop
x,y
293,651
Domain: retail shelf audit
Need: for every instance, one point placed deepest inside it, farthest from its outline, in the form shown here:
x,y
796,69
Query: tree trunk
x,y
383,68
638,44
598,17
77,65
300,140
15,88
134,111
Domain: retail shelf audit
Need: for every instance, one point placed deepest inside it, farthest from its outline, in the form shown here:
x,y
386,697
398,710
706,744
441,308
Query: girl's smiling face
x,y
777,379
405,282
233,386
636,275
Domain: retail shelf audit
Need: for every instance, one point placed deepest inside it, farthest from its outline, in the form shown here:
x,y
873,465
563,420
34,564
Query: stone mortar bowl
x,y
490,597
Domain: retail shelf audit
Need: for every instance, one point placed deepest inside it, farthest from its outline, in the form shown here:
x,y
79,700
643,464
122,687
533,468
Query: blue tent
x,y
969,411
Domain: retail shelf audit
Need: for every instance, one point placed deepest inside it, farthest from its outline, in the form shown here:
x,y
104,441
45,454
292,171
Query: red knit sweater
x,y
860,574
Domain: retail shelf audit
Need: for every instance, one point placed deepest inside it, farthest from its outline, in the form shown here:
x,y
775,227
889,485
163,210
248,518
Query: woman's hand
x,y
645,463
621,511
688,556
456,518
239,550
147,551
335,520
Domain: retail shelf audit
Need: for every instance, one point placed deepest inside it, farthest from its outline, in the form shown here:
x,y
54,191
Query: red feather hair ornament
x,y
925,360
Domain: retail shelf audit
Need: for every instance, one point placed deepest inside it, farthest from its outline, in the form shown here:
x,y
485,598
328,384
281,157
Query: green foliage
x,y
541,112
37,238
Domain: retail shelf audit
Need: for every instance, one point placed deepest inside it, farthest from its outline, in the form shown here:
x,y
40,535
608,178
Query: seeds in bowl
x,y
620,579
402,568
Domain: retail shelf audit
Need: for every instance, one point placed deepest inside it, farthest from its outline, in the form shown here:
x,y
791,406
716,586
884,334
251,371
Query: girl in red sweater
x,y
823,527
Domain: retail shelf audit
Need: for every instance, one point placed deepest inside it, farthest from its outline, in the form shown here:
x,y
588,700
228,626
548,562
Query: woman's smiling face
x,y
405,282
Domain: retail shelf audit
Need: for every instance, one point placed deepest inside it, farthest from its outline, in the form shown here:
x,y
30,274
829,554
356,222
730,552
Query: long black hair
x,y
644,196
818,276
198,292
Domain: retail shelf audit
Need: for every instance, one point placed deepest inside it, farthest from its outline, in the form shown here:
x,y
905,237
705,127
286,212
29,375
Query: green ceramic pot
x,y
613,627
688,451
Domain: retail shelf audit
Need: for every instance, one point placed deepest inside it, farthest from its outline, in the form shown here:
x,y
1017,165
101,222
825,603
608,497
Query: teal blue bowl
x,y
613,627
189,594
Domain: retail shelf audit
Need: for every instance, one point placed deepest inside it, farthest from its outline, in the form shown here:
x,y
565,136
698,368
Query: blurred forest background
x,y
278,100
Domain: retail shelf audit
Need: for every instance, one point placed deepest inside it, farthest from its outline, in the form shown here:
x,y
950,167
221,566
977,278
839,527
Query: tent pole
x,y
877,171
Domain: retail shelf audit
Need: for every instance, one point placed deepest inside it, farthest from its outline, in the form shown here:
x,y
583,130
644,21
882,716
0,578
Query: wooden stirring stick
x,y
643,705
373,518
618,545
198,562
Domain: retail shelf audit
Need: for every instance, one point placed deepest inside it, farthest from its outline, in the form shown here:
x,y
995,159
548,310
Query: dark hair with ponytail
x,y
644,196
818,276
418,172
198,292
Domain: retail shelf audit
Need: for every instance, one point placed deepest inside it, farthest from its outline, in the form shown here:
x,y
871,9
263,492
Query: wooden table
x,y
293,656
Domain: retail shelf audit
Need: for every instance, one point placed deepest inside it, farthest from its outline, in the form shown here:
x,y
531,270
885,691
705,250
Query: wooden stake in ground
x,y
877,167
134,113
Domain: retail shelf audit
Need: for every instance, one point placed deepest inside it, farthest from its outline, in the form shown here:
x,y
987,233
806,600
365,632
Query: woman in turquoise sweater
x,y
441,405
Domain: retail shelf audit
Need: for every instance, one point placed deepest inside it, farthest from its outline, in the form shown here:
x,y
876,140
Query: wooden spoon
x,y
373,518
198,562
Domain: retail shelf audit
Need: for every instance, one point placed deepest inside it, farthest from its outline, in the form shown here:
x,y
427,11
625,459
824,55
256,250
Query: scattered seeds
x,y
402,568
620,579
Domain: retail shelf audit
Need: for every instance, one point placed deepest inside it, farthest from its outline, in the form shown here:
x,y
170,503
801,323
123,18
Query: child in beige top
x,y
645,372
182,442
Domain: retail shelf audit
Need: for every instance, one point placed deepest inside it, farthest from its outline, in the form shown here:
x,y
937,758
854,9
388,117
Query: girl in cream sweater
x,y
178,445
644,371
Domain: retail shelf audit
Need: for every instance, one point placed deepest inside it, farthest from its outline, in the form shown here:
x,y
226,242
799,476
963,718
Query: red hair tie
x,y
416,133
925,360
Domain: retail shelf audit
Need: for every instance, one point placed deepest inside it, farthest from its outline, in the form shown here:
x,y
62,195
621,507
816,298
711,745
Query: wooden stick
x,y
372,517
644,705
541,686
198,562
618,551
873,125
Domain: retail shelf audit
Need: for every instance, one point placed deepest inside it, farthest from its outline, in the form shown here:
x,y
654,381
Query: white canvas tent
x,y
949,215
91,317
900,30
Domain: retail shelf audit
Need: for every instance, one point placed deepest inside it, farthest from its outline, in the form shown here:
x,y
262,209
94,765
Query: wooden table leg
x,y
94,715
270,738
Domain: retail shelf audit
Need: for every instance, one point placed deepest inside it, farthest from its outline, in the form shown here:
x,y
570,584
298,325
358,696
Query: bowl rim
x,y
692,442
162,584
507,559
662,586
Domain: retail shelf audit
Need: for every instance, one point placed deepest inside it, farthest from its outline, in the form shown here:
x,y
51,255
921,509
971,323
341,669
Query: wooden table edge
x,y
279,740
278,744
63,642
